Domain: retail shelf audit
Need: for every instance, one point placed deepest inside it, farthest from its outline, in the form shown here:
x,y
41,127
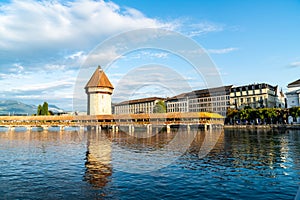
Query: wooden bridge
x,y
202,120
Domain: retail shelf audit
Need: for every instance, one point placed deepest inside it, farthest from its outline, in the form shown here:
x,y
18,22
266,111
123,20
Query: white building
x,y
145,105
293,94
260,95
206,100
99,90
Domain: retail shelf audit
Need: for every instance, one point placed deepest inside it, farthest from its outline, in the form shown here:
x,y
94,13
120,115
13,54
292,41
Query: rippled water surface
x,y
88,165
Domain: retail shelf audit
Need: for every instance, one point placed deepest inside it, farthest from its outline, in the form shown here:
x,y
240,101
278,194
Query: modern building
x,y
145,105
99,90
260,95
293,94
206,100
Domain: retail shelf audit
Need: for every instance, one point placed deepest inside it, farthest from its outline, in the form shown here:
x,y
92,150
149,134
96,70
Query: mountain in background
x,y
11,107
55,109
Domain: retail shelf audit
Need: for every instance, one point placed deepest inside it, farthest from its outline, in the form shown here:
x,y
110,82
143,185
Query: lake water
x,y
101,165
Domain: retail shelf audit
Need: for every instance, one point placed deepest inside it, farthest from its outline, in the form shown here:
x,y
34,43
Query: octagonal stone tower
x,y
99,91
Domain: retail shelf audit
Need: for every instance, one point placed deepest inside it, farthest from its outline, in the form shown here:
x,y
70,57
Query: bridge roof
x,y
175,115
99,79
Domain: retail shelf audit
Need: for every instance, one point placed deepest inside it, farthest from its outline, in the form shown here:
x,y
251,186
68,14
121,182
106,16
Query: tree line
x,y
43,109
250,115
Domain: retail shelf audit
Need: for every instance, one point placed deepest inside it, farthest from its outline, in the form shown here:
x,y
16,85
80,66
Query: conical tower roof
x,y
99,79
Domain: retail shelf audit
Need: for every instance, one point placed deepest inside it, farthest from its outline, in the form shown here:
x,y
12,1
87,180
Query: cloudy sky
x,y
44,46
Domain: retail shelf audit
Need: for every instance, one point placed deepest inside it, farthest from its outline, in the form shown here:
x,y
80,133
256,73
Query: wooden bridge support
x,y
168,128
81,129
149,129
115,129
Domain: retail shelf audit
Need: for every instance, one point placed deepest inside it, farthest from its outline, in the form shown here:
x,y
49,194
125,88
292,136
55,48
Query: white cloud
x,y
55,67
295,64
76,55
202,28
18,68
142,54
222,51
34,24
46,86
156,54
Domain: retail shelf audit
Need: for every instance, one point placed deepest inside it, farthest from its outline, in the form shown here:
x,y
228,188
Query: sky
x,y
49,49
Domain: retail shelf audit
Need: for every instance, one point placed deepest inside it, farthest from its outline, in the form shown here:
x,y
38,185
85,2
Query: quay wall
x,y
269,126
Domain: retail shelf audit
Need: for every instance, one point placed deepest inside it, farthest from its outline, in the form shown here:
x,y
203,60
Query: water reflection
x,y
258,148
82,165
98,159
133,154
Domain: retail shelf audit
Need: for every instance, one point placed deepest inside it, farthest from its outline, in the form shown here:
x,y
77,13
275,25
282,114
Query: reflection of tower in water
x,y
98,159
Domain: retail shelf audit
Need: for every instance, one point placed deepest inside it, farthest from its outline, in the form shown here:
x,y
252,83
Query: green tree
x,y
261,114
244,114
270,114
294,112
45,109
254,115
231,115
160,107
39,110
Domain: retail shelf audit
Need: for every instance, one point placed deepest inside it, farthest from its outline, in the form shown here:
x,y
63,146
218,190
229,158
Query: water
x,y
89,165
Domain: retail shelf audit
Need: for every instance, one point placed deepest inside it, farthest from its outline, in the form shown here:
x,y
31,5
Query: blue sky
x,y
43,45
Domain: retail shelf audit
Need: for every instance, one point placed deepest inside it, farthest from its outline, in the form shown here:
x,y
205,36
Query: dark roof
x,y
179,96
293,92
254,86
294,84
99,79
204,92
148,99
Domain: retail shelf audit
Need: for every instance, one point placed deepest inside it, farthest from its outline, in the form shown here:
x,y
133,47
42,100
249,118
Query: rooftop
x,y
148,99
204,92
99,79
293,92
255,86
294,84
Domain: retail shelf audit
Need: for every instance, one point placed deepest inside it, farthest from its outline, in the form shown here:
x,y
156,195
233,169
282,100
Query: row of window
x,y
248,100
135,108
220,98
215,104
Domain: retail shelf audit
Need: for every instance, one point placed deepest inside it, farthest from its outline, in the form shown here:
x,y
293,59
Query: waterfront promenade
x,y
268,126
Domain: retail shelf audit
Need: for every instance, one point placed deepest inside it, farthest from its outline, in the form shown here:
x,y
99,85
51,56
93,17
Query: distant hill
x,y
11,107
55,109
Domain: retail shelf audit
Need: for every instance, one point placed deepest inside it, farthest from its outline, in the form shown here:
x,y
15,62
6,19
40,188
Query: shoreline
x,y
269,126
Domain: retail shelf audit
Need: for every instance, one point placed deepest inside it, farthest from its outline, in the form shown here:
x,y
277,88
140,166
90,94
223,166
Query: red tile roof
x,y
99,79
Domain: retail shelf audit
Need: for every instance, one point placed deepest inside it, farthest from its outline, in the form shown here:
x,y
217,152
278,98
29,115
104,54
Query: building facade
x,y
207,100
259,95
293,94
145,105
99,91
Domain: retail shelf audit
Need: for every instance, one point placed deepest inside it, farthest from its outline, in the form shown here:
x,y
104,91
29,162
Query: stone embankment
x,y
268,126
